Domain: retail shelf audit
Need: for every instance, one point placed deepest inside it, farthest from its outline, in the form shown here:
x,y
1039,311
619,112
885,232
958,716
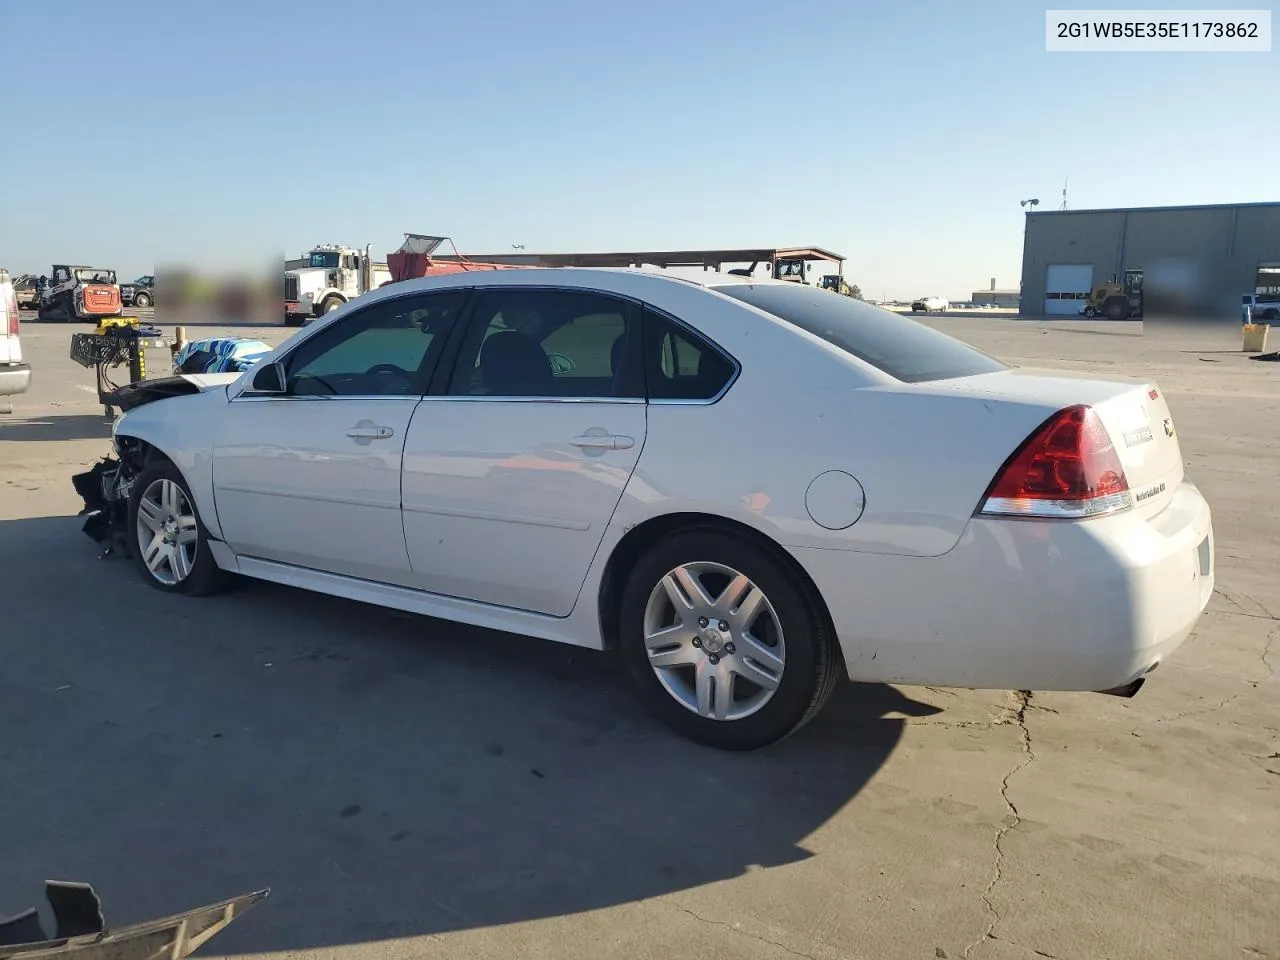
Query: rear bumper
x,y
1026,605
15,378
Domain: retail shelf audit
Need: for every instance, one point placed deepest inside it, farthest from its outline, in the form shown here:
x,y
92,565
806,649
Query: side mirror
x,y
270,379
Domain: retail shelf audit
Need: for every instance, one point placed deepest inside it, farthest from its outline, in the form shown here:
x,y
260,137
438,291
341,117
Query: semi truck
x,y
330,275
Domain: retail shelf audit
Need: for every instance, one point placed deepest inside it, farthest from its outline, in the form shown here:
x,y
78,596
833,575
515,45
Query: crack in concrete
x,y
1021,700
955,724
750,936
1266,653
942,691
1243,612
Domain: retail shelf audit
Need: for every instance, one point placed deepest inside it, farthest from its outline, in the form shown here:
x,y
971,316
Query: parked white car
x,y
752,488
15,375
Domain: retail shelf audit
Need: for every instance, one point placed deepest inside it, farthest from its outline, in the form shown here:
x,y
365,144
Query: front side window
x,y
548,343
904,349
388,349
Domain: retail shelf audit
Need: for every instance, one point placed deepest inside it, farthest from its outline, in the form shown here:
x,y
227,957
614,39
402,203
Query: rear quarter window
x,y
898,346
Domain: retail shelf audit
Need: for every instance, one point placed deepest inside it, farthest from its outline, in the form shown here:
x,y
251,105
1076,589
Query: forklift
x,y
1116,301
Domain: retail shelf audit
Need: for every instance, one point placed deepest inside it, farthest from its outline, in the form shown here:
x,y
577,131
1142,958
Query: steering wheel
x,y
391,370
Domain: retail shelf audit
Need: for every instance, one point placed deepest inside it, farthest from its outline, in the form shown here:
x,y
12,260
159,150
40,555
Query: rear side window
x,y
901,347
679,365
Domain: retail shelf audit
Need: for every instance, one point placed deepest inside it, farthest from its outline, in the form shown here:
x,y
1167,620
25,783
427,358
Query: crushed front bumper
x,y
105,490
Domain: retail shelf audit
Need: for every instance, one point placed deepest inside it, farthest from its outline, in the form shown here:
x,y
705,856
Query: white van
x,y
15,376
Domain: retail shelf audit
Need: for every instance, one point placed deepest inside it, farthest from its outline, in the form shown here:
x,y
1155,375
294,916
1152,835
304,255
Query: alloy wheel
x,y
167,532
714,641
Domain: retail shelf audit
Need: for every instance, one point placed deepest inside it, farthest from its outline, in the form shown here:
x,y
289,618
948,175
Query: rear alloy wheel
x,y
724,643
171,548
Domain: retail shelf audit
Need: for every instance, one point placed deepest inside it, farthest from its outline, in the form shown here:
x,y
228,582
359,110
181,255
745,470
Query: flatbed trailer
x,y
785,263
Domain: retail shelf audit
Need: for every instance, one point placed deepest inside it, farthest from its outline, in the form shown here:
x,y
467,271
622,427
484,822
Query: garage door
x,y
1066,288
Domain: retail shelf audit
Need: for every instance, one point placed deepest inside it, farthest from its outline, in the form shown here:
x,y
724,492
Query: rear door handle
x,y
610,441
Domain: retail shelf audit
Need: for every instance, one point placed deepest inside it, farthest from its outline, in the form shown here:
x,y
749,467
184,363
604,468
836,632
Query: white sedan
x,y
752,489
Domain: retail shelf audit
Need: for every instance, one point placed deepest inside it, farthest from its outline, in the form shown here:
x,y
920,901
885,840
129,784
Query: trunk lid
x,y
1134,412
1144,436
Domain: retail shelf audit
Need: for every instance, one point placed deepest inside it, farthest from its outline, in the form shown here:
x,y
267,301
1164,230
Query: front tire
x,y
170,545
330,304
725,642
141,300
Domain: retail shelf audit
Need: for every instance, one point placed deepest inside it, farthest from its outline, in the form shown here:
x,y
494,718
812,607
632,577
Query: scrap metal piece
x,y
76,908
171,938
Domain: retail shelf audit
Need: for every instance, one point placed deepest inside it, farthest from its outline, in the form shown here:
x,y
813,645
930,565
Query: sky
x,y
901,134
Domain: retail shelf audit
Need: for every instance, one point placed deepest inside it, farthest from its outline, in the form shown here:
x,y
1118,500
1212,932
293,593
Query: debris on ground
x,y
82,931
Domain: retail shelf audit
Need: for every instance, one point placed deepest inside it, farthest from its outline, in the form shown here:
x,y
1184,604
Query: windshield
x,y
327,260
901,347
92,275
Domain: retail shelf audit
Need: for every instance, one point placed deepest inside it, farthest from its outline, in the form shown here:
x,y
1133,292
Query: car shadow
x,y
386,775
79,426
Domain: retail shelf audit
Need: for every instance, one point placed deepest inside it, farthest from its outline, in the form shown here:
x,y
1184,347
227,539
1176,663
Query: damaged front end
x,y
105,489
133,395
83,935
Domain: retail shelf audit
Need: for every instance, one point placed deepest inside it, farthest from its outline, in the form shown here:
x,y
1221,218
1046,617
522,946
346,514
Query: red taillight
x,y
1067,469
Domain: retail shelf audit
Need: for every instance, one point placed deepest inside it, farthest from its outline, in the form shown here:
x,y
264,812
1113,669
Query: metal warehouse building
x,y
1195,258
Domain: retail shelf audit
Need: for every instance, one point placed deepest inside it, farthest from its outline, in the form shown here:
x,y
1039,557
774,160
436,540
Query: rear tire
x,y
167,536
785,641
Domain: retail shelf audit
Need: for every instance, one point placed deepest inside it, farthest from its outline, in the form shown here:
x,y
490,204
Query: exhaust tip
x,y
1128,690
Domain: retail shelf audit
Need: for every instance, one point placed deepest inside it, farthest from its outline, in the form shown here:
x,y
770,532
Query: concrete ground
x,y
409,788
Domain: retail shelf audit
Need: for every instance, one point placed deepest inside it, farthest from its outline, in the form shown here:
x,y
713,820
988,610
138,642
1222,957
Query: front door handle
x,y
368,430
608,441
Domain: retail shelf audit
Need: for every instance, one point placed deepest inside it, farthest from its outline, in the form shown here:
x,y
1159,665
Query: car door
x,y
513,467
311,477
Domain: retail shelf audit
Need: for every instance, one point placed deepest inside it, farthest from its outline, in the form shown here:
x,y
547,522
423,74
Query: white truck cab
x,y
332,275
15,376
